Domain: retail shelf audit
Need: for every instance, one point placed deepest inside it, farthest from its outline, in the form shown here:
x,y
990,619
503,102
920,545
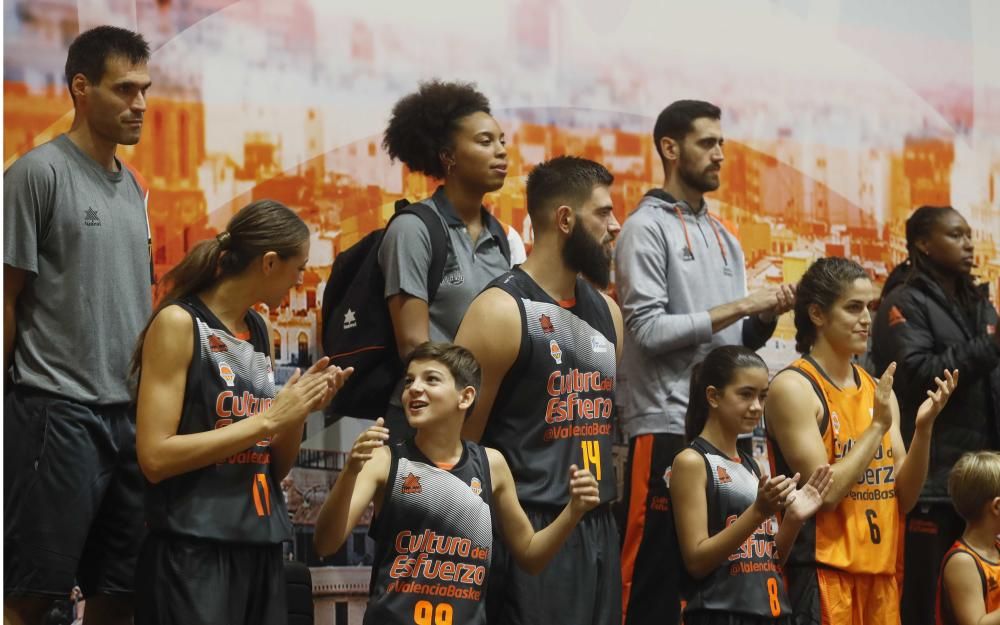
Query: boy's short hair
x,y
460,362
973,482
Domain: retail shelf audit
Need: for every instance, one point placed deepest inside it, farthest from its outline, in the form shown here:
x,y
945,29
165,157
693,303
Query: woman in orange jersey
x,y
724,507
824,409
969,586
213,437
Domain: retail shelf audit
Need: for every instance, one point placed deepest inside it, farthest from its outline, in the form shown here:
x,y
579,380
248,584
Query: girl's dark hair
x,y
919,226
717,369
423,123
259,227
823,283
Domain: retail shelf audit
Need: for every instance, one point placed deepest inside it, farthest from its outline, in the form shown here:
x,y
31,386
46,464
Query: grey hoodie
x,y
665,291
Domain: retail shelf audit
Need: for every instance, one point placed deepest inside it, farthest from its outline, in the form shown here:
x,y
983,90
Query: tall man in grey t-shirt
x,y
77,292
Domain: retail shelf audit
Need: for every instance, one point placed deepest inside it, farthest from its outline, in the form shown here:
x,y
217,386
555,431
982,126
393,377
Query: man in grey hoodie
x,y
682,287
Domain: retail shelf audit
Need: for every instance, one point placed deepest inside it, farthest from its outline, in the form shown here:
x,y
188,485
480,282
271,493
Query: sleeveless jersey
x,y
750,581
237,499
989,575
555,406
861,534
433,540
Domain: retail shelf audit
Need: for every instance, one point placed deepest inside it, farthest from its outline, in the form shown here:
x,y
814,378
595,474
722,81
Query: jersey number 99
x,y
425,613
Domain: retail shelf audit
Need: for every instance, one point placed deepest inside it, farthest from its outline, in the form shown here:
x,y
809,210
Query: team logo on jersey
x,y
555,351
724,477
227,374
476,486
270,373
598,344
896,316
835,420
411,485
455,278
91,218
216,345
546,324
666,477
992,582
350,320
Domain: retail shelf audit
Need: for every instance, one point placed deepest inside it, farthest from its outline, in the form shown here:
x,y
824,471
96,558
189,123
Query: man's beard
x,y
699,182
587,256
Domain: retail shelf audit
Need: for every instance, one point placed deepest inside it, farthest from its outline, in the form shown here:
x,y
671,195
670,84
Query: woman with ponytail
x,y
824,409
937,318
725,507
213,438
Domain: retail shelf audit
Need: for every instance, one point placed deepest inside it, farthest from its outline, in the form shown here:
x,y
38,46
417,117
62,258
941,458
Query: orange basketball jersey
x,y
861,534
989,574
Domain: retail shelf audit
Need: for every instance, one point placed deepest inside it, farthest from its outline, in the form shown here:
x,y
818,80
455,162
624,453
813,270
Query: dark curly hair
x,y
423,123
824,282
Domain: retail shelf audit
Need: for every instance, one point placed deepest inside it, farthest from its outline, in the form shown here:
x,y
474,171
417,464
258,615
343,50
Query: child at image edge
x,y
969,586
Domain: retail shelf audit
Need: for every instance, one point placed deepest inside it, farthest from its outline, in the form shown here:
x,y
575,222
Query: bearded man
x,y
548,342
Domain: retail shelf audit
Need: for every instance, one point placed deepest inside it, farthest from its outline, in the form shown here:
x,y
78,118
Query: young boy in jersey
x,y
969,586
434,497
824,409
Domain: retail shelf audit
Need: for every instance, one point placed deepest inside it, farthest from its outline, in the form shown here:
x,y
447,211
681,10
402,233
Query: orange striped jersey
x,y
989,575
861,534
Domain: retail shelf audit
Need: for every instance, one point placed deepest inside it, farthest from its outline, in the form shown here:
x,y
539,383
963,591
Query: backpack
x,y
357,328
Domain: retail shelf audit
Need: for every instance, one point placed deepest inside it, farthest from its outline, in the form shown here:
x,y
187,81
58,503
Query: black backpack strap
x,y
496,228
440,242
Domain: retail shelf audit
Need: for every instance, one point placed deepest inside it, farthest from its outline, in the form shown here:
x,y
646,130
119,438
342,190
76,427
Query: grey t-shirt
x,y
81,233
405,256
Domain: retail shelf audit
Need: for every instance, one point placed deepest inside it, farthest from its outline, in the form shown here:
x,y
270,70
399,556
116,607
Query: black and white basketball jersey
x,y
237,499
555,407
750,581
434,538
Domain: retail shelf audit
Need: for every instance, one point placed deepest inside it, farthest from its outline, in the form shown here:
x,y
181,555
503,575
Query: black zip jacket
x,y
924,331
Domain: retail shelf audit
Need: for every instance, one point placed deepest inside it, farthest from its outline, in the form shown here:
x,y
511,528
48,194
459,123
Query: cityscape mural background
x,y
840,116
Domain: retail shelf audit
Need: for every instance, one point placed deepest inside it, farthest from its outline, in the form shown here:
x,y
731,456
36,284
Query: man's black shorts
x,y
191,581
580,586
73,496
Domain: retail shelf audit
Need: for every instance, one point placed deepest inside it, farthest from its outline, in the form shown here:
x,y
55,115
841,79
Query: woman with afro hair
x,y
444,130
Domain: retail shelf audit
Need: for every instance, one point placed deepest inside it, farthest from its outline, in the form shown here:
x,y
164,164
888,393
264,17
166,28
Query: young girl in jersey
x,y
724,508
969,587
436,499
213,439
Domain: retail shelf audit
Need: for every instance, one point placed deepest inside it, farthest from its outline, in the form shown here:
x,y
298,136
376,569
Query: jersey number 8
x,y
772,596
